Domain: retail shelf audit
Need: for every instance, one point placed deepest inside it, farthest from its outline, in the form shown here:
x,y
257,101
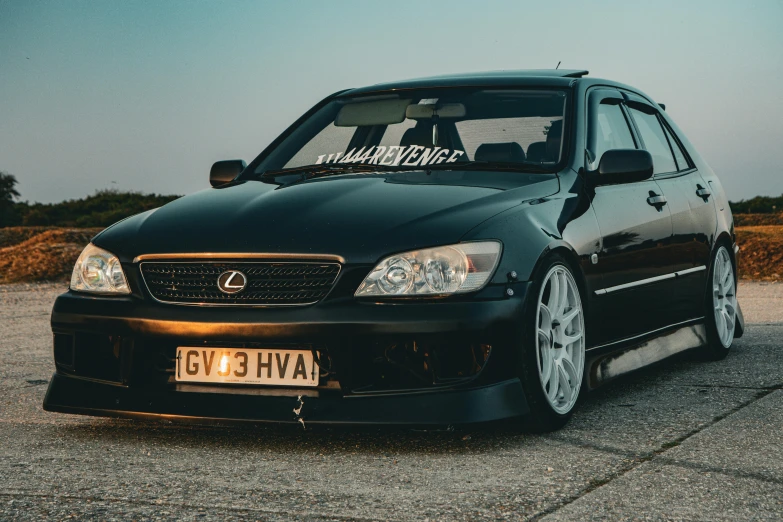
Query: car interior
x,y
437,125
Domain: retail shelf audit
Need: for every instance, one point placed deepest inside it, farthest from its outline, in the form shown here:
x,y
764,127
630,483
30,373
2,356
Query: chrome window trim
x,y
650,280
674,174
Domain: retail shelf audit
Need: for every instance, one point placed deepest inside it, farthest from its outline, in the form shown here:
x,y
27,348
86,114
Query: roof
x,y
532,77
555,73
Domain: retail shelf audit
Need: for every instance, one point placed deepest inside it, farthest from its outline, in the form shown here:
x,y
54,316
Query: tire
x,y
720,314
553,346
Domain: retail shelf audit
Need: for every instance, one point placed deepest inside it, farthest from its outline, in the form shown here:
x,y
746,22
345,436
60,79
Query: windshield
x,y
433,129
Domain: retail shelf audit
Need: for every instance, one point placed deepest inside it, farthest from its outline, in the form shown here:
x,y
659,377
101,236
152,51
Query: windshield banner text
x,y
411,155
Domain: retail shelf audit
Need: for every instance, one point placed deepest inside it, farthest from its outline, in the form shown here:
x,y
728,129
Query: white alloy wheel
x,y
724,297
560,339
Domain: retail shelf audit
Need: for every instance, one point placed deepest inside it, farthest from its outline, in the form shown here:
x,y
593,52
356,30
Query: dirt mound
x,y
30,254
761,252
755,220
40,253
14,235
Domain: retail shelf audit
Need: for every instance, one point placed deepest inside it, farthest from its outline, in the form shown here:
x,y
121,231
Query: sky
x,y
145,96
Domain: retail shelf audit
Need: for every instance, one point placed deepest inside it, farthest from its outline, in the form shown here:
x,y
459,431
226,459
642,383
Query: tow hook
x,y
298,411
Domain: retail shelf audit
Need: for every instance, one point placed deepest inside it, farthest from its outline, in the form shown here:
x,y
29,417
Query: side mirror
x,y
223,172
623,166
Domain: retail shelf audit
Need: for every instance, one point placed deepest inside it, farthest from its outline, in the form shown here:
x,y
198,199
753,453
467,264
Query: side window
x,y
611,131
654,141
679,155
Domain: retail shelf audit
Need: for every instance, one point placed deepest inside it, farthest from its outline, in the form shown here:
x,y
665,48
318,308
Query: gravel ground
x,y
686,440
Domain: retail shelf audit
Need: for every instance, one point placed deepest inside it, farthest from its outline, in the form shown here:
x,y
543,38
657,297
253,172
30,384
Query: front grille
x,y
268,283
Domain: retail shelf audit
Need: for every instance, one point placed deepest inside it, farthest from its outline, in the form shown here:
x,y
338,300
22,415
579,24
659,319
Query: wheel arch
x,y
567,252
725,239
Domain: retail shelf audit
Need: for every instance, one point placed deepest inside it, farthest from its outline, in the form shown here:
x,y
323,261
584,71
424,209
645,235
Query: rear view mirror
x,y
425,112
223,172
623,166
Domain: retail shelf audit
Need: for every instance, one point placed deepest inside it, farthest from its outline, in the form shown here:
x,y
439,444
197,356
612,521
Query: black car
x,y
444,250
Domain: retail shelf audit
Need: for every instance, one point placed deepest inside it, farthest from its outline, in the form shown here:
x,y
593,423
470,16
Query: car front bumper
x,y
134,324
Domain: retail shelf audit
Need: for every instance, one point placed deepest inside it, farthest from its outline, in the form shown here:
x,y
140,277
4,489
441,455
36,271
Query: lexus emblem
x,y
232,282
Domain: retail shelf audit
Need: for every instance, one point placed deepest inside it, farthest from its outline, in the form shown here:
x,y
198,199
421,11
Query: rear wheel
x,y
721,304
554,351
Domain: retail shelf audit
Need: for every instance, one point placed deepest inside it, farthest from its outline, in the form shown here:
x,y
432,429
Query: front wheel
x,y
553,355
721,305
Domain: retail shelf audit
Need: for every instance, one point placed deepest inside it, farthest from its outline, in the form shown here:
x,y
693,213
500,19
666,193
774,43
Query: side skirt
x,y
609,362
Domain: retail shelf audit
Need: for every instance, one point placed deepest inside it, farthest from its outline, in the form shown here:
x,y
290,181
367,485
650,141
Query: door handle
x,y
656,200
703,192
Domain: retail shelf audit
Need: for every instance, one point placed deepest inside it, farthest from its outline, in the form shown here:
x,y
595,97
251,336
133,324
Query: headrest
x,y
507,152
536,151
553,138
417,136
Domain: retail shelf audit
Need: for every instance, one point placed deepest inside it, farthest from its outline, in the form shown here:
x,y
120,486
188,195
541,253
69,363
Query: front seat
x,y
419,135
511,152
553,139
536,151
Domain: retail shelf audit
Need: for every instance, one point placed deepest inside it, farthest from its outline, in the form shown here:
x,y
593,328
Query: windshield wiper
x,y
495,165
330,169
335,169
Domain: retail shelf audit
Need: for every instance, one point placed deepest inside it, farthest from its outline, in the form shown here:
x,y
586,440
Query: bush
x,y
758,205
99,210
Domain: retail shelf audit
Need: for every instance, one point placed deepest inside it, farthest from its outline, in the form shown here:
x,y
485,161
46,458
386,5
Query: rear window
x,y
436,128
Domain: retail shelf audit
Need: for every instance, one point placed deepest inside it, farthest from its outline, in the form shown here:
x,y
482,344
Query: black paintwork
x,y
420,409
363,218
358,217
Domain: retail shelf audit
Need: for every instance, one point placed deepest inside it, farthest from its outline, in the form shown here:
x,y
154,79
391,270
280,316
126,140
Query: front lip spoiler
x,y
497,401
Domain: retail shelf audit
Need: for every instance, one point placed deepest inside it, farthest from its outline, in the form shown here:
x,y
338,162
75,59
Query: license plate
x,y
272,367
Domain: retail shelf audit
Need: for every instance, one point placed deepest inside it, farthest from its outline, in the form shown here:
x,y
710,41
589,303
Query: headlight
x,y
98,271
453,269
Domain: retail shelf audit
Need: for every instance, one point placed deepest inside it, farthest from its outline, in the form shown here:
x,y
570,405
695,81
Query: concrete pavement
x,y
686,440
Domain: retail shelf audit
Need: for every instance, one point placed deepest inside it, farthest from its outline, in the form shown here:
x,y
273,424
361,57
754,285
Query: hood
x,y
359,217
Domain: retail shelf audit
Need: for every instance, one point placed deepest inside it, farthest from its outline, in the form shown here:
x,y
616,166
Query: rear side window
x,y
654,141
611,131
679,155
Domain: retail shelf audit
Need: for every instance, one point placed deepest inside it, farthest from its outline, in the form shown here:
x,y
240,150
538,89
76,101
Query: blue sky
x,y
147,95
